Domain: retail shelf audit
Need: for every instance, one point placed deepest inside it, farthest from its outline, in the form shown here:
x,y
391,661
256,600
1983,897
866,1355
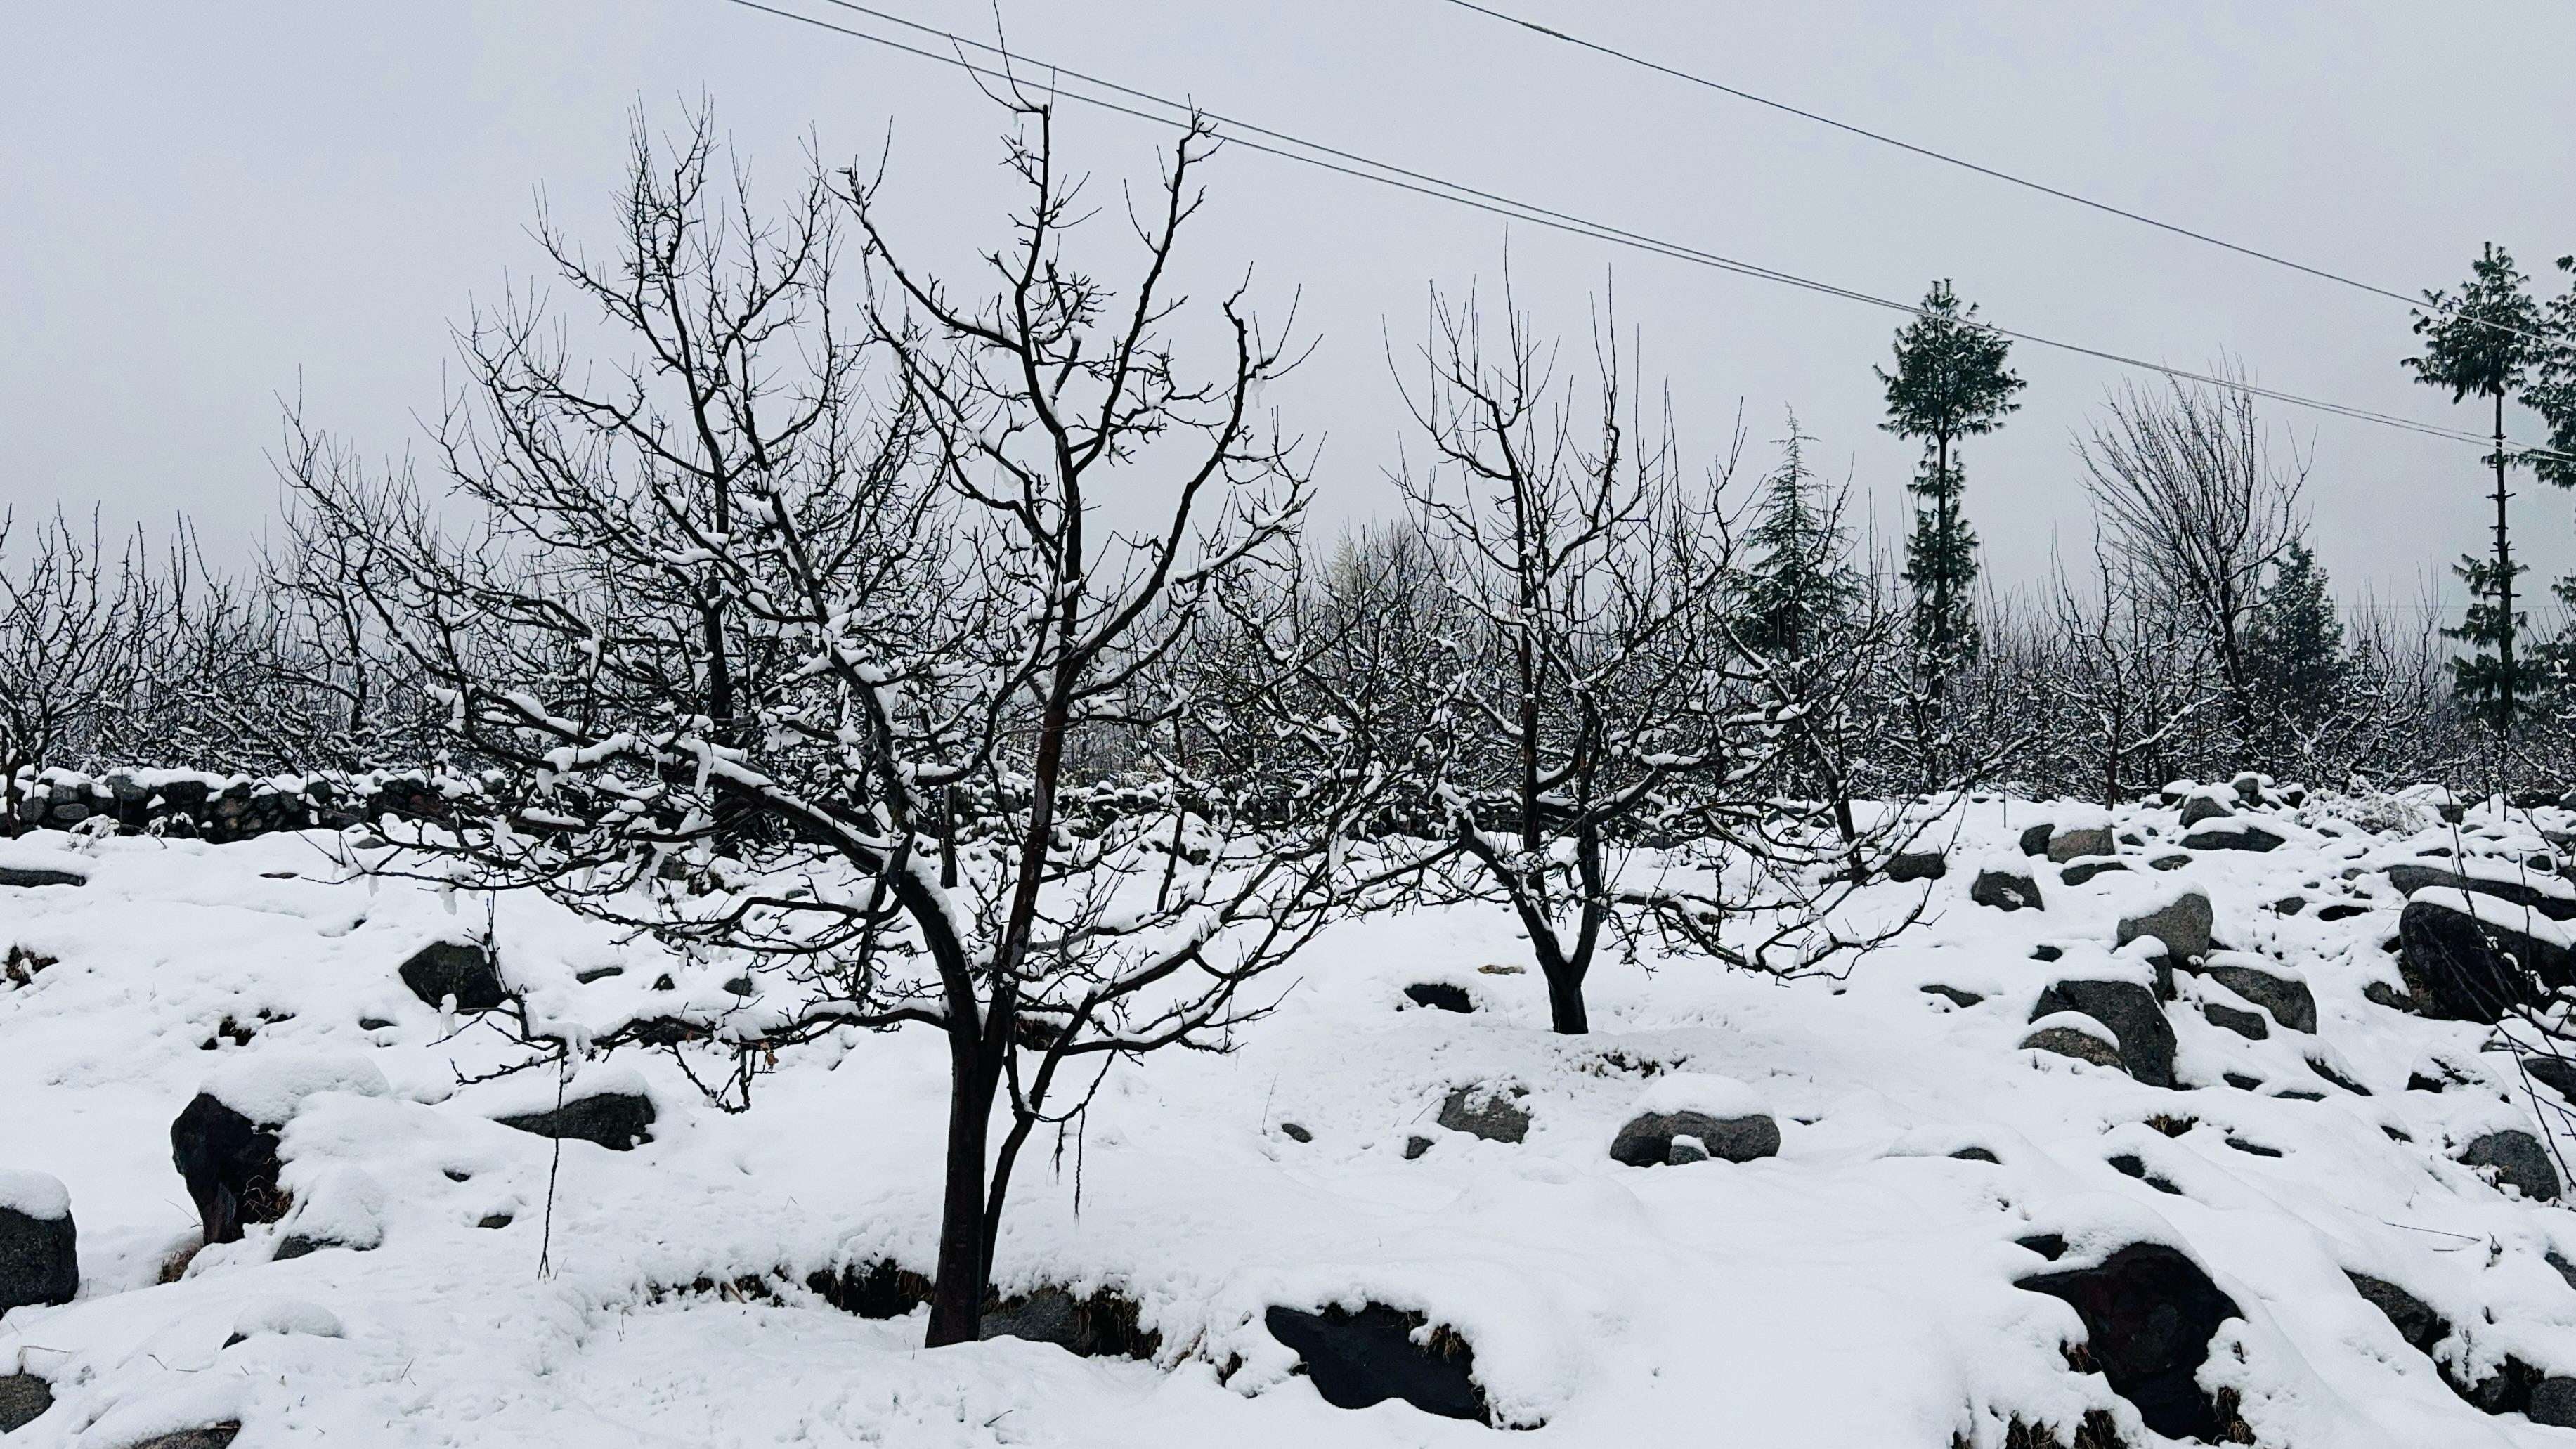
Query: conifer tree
x,y
2481,343
2294,642
1949,383
1802,585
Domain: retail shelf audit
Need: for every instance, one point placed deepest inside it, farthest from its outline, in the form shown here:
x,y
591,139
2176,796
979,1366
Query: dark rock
x,y
2035,838
2248,787
2553,1402
738,986
494,1220
454,968
1976,1154
1957,996
2254,1148
879,1289
2066,1041
1102,1325
2463,969
1917,865
39,1259
1296,1133
2566,1269
24,1398
1647,1141
2183,924
596,973
614,1120
2508,1390
2322,1069
2232,837
1487,1113
2410,878
2240,1081
1414,1147
2046,953
2203,807
2170,862
373,1023
230,1164
2067,845
2005,891
2341,911
1685,1150
2130,1010
2130,1164
299,1245
2289,905
2520,1162
2554,1072
2247,1024
1441,995
2380,993
1363,1358
2149,1313
23,875
2290,1002
213,1436
2082,871
2299,1094
2051,1246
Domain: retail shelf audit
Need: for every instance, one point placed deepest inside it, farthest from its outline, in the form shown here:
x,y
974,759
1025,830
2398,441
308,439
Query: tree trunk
x,y
1565,1012
957,1296
2504,586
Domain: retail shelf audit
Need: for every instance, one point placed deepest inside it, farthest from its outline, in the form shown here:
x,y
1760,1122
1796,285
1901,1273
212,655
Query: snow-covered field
x,y
1856,1289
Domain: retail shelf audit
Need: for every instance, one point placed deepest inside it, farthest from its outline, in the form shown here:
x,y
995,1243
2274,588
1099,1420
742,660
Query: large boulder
x,y
2005,890
614,1120
1492,1113
2512,1387
24,1398
458,969
1377,1353
1725,1116
2464,968
2067,845
2149,1313
2073,1034
2286,997
1105,1324
36,875
2204,805
212,1436
2520,1162
230,1164
2232,836
39,1250
2132,1014
2183,924
1911,865
2409,877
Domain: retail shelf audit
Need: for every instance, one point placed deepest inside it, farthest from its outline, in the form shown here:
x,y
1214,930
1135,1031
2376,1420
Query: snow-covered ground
x,y
1856,1289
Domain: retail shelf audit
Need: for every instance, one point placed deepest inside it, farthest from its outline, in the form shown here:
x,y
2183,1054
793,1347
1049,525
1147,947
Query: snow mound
x,y
286,1316
34,1194
267,1087
1702,1092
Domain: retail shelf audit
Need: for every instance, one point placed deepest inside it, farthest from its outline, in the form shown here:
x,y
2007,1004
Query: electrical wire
x,y
1928,153
1268,141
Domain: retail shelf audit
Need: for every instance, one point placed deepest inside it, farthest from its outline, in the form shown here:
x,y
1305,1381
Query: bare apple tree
x,y
813,650
1602,745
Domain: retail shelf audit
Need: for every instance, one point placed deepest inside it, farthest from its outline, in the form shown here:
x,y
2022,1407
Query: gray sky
x,y
201,205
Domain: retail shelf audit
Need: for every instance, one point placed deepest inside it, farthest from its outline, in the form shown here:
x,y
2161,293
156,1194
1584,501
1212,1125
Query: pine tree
x,y
1802,585
1949,383
2481,343
2294,642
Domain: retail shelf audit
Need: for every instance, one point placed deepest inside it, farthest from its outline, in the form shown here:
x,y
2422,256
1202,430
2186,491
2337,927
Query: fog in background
x,y
205,208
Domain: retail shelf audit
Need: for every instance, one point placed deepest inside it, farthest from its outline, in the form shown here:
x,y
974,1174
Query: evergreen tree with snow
x,y
2294,642
2481,343
1802,586
1950,383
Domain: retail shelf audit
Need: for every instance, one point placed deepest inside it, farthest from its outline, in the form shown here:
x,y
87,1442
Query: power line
x,y
1347,163
1928,153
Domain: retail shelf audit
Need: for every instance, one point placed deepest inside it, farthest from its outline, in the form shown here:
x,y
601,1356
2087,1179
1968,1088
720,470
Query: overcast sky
x,y
203,207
